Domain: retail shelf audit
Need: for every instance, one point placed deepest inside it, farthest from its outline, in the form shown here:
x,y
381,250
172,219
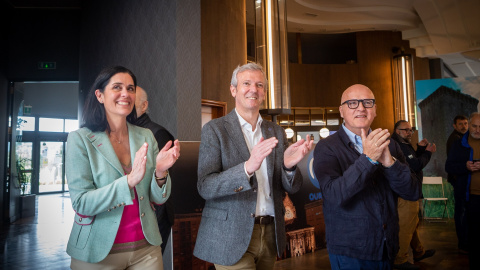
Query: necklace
x,y
115,138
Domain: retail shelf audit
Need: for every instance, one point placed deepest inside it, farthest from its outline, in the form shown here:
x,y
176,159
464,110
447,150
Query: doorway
x,y
44,113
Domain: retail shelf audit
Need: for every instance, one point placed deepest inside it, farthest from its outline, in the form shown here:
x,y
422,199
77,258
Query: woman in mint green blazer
x,y
115,173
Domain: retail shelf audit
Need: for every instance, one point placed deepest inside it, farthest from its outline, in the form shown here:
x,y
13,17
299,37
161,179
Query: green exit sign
x,y
47,65
27,110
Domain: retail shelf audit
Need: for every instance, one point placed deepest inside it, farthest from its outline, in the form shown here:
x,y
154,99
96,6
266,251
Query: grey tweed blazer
x,y
231,197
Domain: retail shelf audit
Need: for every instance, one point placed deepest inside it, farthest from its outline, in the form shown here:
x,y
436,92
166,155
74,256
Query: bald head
x,y
141,101
360,117
355,90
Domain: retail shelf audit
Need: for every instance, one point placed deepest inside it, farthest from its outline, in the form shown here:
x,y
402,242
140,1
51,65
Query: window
x,y
26,123
71,125
50,124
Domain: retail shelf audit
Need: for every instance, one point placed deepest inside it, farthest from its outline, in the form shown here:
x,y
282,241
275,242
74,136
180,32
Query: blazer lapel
x,y
101,142
234,130
268,132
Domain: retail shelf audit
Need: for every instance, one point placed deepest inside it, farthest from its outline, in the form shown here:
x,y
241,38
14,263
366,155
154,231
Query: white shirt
x,y
264,194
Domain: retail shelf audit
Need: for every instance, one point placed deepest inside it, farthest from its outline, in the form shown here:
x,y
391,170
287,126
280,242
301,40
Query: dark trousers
x,y
340,262
473,222
460,217
165,220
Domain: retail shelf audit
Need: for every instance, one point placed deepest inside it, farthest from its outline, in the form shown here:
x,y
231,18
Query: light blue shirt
x,y
354,138
357,141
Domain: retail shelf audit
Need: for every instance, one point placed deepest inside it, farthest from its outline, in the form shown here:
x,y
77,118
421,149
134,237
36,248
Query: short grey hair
x,y
144,98
475,114
249,66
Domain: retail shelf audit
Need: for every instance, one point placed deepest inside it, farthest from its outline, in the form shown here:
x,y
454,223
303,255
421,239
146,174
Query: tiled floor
x,y
39,242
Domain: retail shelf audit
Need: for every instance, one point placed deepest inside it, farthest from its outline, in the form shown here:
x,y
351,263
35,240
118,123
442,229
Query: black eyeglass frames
x,y
407,129
353,103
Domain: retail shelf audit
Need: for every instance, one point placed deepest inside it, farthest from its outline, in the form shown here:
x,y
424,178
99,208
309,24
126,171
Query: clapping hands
x,y
297,152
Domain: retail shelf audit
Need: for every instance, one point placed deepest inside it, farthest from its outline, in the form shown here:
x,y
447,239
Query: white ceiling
x,y
446,29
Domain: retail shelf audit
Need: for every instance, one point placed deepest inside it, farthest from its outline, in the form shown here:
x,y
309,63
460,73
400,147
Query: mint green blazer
x,y
98,189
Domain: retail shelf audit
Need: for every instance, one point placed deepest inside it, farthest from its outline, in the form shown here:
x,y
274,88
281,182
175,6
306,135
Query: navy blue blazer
x,y
459,154
360,198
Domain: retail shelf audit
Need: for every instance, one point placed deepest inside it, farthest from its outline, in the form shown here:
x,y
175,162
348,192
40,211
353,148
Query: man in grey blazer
x,y
244,170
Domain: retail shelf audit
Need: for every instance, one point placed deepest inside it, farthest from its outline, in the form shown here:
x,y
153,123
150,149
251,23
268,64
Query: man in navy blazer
x,y
244,170
361,174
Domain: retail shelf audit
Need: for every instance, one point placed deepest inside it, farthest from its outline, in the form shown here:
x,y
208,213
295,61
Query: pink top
x,y
130,229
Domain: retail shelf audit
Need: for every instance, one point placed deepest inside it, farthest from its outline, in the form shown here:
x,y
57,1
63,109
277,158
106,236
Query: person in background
x,y
114,172
165,212
361,174
408,210
460,127
463,161
244,168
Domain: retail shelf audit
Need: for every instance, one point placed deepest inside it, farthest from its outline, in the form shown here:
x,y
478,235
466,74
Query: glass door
x,y
51,176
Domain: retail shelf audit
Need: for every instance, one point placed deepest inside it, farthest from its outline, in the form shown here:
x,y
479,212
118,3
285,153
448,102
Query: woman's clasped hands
x,y
165,159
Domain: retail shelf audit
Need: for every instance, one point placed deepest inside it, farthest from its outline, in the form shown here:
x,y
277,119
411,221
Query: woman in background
x,y
114,171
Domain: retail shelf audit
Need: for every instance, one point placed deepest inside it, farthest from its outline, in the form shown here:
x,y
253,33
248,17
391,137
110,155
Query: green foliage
x,y
24,176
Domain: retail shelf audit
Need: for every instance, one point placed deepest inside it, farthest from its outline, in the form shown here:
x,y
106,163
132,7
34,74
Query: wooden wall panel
x,y
320,85
323,85
421,68
224,47
374,54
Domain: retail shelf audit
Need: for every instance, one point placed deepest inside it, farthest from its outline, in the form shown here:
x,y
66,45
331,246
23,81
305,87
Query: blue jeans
x,y
340,262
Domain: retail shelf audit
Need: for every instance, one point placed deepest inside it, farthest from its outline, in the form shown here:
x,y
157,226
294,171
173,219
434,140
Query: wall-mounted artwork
x,y
438,102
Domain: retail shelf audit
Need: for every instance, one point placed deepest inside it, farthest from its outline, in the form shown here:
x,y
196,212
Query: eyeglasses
x,y
353,103
406,130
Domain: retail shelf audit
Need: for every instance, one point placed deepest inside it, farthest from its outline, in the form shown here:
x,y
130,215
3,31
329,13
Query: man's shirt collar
x,y
354,138
246,125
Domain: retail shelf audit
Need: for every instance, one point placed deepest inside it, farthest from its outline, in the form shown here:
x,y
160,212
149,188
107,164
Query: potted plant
x,y
24,176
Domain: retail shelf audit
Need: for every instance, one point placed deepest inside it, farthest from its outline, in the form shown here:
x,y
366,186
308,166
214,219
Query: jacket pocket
x,y
81,231
216,213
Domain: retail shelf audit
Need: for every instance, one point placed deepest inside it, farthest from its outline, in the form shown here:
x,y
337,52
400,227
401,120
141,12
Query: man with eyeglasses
x,y
408,210
361,174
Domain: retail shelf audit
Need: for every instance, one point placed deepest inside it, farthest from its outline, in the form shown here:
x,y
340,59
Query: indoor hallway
x,y
39,242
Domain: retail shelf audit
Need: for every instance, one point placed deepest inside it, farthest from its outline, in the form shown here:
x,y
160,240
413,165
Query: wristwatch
x,y
160,178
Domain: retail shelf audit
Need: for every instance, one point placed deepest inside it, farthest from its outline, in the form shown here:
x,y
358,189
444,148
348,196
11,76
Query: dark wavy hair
x,y
94,116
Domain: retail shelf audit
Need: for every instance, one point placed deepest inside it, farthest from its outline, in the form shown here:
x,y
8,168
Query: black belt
x,y
264,220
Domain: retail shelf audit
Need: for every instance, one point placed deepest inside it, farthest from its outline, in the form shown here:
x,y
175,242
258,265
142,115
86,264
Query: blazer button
x,y
254,190
252,215
141,198
114,207
143,214
240,188
109,210
123,203
119,205
80,219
